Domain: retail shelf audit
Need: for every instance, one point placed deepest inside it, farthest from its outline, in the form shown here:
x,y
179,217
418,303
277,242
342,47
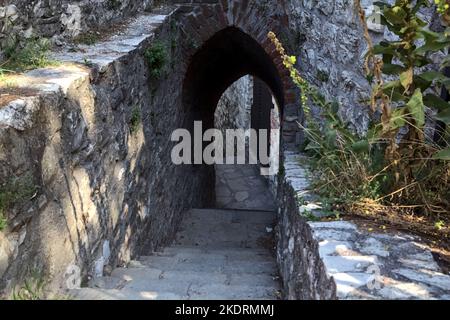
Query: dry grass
x,y
363,186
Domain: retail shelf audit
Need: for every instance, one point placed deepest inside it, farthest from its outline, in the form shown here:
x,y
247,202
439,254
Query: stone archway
x,y
248,104
241,27
225,41
223,59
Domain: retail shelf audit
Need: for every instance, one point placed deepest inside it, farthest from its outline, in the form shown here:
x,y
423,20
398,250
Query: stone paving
x,y
379,266
365,265
241,187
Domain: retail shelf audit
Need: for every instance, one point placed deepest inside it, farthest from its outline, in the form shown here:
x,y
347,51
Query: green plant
x,y
3,73
395,167
87,62
35,53
415,163
88,38
440,225
322,76
442,6
32,289
15,191
3,222
341,162
192,43
6,81
309,216
282,171
136,119
173,43
113,4
156,58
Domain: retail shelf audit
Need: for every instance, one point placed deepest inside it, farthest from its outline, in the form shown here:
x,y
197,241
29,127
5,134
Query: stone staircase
x,y
217,255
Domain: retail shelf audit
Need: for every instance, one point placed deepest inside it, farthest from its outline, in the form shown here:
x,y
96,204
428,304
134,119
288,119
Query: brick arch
x,y
205,20
223,59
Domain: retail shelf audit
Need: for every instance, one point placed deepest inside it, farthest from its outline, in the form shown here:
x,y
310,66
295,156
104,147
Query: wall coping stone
x,y
71,68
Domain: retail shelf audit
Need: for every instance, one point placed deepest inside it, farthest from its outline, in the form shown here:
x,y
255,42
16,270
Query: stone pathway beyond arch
x,y
219,254
240,187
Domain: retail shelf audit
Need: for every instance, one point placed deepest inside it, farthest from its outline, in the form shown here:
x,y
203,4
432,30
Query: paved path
x,y
242,187
219,254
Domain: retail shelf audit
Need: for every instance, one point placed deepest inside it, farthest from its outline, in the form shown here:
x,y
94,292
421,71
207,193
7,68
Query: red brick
x,y
222,19
289,96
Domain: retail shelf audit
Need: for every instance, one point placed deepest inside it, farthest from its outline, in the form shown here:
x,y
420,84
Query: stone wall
x,y
95,140
96,143
325,35
234,108
301,268
63,19
335,67
327,38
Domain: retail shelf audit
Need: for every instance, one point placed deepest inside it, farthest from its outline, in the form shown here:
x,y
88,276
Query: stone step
x,y
137,32
187,252
122,294
231,215
107,283
194,292
220,292
210,264
226,228
155,284
220,255
150,278
205,242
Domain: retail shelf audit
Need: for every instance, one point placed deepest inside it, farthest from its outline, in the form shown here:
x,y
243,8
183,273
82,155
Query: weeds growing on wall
x,y
35,53
399,171
136,119
156,57
88,38
33,288
113,4
3,222
13,192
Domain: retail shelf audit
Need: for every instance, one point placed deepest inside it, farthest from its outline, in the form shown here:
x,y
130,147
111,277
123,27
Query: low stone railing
x,y
340,260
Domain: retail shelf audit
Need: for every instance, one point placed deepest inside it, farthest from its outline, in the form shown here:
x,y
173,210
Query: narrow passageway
x,y
225,253
114,121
